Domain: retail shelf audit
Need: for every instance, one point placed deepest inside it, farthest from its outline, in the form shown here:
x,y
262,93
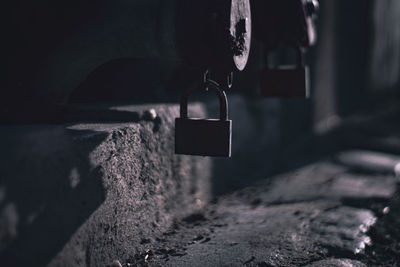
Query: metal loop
x,y
206,76
230,80
223,102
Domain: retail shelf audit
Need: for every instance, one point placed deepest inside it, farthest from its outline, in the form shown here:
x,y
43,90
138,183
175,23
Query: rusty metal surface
x,y
240,30
215,34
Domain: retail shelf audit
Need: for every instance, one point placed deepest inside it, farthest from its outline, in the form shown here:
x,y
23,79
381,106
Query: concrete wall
x,y
85,194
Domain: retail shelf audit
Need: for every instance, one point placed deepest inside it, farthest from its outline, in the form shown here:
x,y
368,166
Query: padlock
x,y
204,137
286,81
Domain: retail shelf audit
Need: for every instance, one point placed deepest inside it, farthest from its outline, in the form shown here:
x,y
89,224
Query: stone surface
x,y
322,180
87,194
385,235
336,263
363,186
306,223
251,236
98,193
343,229
276,235
368,161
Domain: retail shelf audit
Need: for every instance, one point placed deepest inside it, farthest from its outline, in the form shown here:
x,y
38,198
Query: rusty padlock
x,y
204,137
286,81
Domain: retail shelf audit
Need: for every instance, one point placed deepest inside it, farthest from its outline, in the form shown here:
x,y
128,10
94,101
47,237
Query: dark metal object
x,y
311,8
215,35
204,137
287,24
240,32
286,81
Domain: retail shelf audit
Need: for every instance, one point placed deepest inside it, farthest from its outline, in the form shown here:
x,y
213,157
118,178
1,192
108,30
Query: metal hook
x,y
230,80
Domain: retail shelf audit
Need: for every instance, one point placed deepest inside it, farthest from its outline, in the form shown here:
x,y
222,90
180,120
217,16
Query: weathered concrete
x,y
86,194
278,235
300,218
323,180
114,193
343,230
368,161
336,263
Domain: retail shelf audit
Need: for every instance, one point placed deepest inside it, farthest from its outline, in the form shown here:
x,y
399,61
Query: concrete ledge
x,y
89,193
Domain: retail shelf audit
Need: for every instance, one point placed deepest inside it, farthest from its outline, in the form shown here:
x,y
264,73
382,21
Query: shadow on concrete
x,y
293,147
48,189
262,130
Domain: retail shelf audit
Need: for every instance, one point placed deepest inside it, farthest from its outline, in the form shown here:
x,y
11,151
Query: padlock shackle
x,y
210,84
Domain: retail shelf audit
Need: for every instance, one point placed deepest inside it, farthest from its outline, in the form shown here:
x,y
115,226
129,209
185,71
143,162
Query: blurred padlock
x,y
288,81
204,137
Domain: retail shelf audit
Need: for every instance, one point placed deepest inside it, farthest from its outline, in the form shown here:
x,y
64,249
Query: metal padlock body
x,y
204,137
285,82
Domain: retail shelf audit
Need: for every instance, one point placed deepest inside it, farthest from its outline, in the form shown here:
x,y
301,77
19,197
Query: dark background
x,y
61,53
